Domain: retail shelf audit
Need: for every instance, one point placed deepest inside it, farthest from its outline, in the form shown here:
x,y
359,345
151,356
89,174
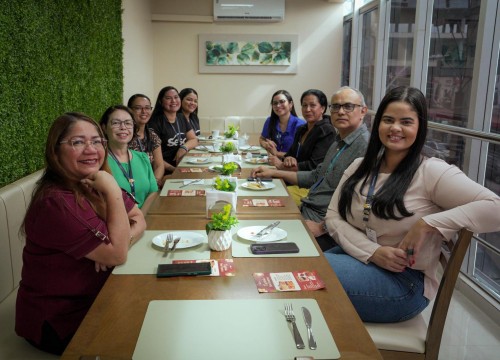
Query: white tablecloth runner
x,y
229,330
144,256
297,233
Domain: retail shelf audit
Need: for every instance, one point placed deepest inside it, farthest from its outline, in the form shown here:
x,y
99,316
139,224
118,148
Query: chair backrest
x,y
452,255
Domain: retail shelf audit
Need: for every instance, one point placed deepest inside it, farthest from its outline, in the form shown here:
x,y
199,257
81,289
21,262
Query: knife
x,y
308,321
267,229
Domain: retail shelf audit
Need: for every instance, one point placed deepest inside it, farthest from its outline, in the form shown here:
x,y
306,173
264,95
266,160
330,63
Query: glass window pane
x,y
346,52
348,7
401,33
451,60
367,59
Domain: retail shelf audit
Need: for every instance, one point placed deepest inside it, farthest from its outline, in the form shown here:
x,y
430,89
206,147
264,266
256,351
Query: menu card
x,y
190,170
288,281
262,202
186,193
221,267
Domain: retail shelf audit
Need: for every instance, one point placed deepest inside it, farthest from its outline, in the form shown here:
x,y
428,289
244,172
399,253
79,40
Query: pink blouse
x,y
442,195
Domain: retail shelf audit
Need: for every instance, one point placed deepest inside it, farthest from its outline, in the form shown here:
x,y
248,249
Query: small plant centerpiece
x,y
227,147
219,229
231,132
224,184
228,168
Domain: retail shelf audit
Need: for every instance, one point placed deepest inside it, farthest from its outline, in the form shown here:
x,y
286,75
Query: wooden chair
x,y
414,339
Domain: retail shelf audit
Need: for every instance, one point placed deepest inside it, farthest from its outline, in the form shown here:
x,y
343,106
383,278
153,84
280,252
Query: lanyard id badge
x,y
367,208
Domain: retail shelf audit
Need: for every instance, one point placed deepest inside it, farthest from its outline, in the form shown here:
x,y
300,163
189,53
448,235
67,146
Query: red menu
x,y
221,267
191,170
262,202
288,281
186,193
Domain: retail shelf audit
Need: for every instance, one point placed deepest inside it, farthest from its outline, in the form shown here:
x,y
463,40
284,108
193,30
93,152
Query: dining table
x,y
137,315
230,314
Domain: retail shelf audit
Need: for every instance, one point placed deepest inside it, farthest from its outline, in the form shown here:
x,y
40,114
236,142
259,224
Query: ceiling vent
x,y
249,10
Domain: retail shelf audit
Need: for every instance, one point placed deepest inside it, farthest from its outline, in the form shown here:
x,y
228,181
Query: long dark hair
x,y
390,196
185,92
147,136
274,119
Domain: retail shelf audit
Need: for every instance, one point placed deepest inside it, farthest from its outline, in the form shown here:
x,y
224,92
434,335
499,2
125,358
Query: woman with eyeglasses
x,y
189,108
312,140
79,224
145,139
392,210
131,169
280,128
176,134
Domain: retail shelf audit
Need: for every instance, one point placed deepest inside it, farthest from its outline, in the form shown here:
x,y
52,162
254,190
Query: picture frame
x,y
250,54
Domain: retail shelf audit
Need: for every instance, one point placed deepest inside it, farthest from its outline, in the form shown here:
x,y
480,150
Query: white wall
x,y
137,32
318,24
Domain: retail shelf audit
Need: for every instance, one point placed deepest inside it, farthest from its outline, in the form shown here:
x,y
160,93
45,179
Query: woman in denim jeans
x,y
392,210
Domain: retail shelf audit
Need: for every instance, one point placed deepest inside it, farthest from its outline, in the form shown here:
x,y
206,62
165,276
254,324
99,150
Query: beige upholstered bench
x,y
14,200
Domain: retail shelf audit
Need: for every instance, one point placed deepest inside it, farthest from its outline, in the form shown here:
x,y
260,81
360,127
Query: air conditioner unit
x,y
249,10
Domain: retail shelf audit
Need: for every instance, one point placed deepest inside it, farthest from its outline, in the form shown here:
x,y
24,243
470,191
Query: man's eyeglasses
x,y
279,102
129,124
348,107
142,108
80,144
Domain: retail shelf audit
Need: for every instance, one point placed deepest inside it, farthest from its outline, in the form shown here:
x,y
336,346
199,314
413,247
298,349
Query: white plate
x,y
250,148
257,161
248,233
202,148
214,149
198,160
188,239
253,186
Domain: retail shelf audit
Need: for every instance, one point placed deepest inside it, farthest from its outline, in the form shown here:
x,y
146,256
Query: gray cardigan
x,y
314,206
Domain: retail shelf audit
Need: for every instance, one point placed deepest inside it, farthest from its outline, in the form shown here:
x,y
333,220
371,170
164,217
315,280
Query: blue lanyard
x,y
367,207
330,167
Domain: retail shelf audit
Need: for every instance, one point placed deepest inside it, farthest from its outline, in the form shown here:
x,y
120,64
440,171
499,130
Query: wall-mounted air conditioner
x,y
249,10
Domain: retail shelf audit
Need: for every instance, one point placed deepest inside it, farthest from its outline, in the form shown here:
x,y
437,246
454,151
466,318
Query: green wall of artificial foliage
x,y
55,56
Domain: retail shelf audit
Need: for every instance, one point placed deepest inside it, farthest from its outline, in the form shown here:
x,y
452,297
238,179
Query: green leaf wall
x,y
55,56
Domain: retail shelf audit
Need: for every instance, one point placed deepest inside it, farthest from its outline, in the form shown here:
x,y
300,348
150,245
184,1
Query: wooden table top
x,y
112,326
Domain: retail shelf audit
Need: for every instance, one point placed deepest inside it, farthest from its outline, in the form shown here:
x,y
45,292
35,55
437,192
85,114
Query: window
x,y
456,63
367,58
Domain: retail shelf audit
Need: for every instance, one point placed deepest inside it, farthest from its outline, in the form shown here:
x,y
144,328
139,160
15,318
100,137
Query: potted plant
x,y
224,184
231,132
228,168
219,229
227,147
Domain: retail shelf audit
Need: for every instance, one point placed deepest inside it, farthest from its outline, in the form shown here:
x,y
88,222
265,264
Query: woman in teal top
x,y
131,169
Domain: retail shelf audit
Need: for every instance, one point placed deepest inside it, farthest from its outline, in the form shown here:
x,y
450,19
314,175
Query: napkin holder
x,y
215,201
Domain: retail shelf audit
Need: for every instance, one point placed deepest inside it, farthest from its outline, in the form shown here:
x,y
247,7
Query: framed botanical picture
x,y
257,54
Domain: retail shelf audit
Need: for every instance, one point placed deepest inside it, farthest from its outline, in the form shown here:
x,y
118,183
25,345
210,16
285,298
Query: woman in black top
x,y
189,108
313,139
176,134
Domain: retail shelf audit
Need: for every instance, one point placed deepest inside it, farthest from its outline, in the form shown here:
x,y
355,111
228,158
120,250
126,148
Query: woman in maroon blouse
x,y
78,225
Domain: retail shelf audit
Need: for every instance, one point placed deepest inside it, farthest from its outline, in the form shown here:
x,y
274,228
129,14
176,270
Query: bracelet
x,y
184,147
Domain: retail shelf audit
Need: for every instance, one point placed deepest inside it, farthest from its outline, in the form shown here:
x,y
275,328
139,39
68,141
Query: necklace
x,y
128,175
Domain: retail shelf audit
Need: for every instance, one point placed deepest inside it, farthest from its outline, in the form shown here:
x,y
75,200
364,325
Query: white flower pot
x,y
219,240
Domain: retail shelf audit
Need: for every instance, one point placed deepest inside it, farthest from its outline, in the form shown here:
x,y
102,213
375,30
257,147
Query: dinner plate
x,y
255,186
250,148
202,147
198,160
248,233
214,149
256,161
188,239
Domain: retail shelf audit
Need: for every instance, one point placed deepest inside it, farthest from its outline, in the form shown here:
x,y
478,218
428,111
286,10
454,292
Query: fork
x,y
259,181
168,240
290,317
